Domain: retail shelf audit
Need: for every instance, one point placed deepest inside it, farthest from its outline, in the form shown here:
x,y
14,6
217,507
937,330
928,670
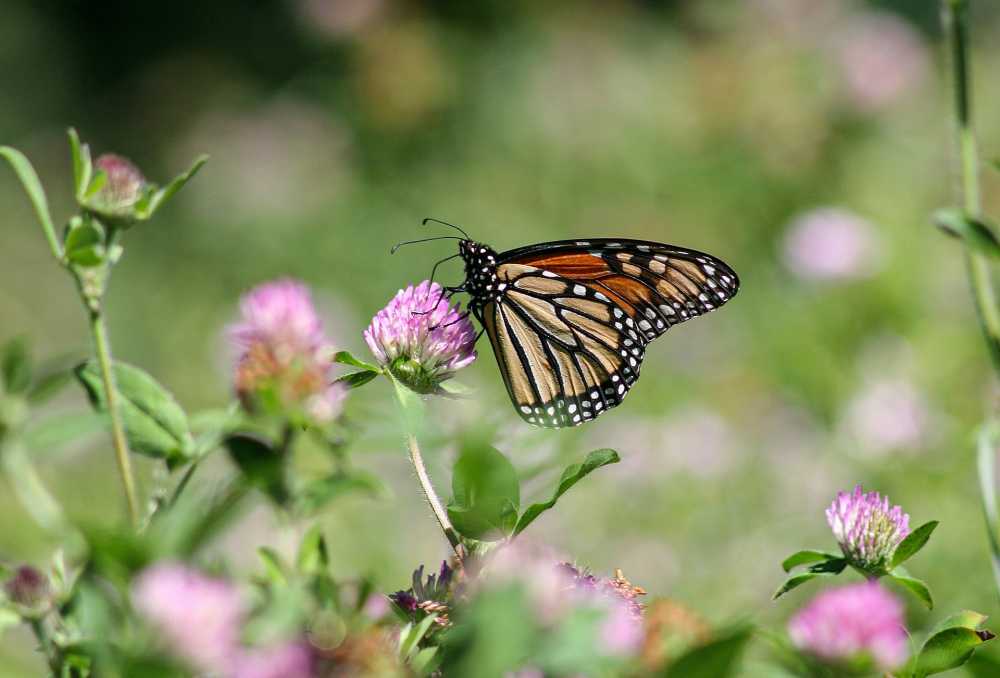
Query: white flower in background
x,y
831,243
887,414
881,59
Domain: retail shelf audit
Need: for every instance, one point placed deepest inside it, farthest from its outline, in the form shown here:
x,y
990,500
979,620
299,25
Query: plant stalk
x,y
103,349
431,496
955,15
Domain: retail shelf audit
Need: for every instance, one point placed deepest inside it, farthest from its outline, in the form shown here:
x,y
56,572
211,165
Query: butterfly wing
x,y
570,331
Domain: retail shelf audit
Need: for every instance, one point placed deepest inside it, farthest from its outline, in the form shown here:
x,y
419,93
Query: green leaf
x,y
345,358
49,385
62,429
569,478
411,635
84,244
82,165
356,379
313,557
262,466
8,619
827,568
949,649
968,619
425,662
36,194
148,205
275,568
486,492
913,542
977,235
915,586
318,493
154,423
806,557
15,366
718,658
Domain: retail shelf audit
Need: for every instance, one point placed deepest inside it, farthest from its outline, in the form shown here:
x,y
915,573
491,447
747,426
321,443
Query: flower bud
x,y
28,588
122,188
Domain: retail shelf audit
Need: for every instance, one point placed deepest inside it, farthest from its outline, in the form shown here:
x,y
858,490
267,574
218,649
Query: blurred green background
x,y
803,141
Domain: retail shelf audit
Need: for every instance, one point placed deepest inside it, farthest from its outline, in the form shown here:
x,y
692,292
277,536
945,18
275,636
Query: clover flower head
x,y
199,617
430,594
284,352
28,588
420,338
852,622
123,186
867,528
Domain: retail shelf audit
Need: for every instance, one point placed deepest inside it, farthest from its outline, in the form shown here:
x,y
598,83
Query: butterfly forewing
x,y
570,328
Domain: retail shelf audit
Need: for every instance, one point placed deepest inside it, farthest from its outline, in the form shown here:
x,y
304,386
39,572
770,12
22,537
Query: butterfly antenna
x,y
445,223
413,242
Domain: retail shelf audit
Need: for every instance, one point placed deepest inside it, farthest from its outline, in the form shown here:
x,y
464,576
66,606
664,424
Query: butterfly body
x,y
569,321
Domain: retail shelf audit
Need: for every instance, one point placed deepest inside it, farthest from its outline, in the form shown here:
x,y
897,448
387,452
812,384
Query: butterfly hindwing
x,y
567,352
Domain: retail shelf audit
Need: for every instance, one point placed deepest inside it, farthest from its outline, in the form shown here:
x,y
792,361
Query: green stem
x,y
431,496
103,349
955,15
30,490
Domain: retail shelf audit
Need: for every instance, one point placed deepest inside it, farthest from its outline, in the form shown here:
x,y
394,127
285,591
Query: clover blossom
x,y
199,617
429,595
852,623
420,338
284,354
28,588
867,528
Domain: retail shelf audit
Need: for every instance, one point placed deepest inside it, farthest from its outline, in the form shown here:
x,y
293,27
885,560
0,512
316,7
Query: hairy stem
x,y
955,15
431,496
103,349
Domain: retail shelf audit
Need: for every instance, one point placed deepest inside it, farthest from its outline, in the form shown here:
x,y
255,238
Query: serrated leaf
x,y
570,477
154,423
486,493
915,586
262,466
345,358
949,649
15,366
718,658
356,379
913,542
977,235
805,557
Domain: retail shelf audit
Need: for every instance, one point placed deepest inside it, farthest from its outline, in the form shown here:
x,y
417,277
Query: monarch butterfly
x,y
569,320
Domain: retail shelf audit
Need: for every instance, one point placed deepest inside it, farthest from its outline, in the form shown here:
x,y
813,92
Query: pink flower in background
x,y
849,622
291,660
420,338
199,617
887,415
867,528
283,350
881,59
829,243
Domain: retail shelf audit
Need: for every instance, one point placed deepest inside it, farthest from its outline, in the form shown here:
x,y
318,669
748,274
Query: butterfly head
x,y
480,269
